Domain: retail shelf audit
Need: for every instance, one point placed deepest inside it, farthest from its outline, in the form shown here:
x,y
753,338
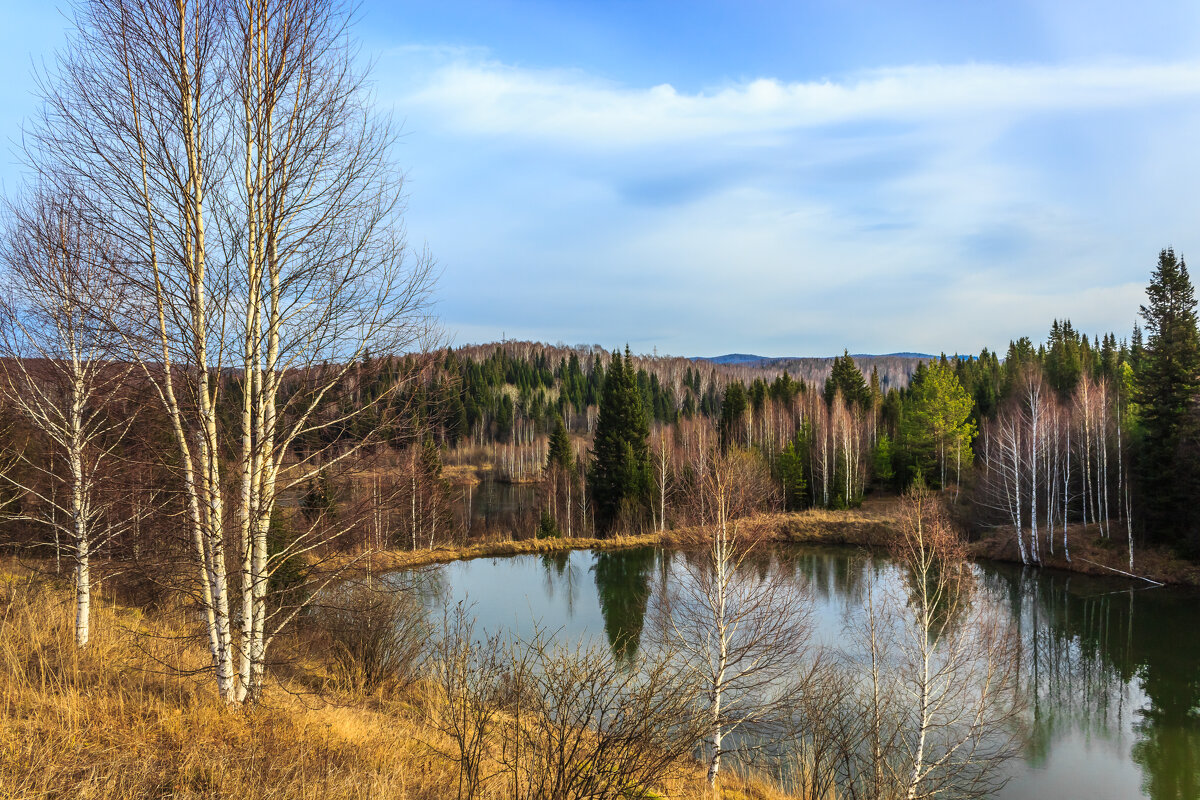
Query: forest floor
x,y
134,716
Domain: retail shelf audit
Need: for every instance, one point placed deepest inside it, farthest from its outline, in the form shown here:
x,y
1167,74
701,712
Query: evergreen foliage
x,y
561,454
847,379
936,426
1167,381
881,460
620,476
791,476
320,499
733,412
547,527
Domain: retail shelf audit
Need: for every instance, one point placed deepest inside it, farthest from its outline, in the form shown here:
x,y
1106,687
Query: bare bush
x,y
467,682
542,720
377,635
586,725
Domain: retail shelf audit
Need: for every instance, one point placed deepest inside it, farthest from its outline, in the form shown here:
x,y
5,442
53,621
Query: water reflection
x,y
623,588
1168,749
1112,670
1114,664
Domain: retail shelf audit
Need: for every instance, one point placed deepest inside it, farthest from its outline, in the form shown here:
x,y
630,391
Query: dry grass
x,y
112,723
1091,554
863,526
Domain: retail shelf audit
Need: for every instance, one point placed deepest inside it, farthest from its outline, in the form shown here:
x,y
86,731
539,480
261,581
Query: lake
x,y
1112,674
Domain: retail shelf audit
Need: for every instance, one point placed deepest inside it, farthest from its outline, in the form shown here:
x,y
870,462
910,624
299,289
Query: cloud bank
x,y
921,207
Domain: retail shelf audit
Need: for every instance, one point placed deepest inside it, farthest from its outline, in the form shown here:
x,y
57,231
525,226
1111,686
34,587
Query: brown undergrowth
x,y
120,720
1093,554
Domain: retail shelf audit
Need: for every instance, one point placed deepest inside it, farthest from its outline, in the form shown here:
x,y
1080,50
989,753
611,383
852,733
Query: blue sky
x,y
778,178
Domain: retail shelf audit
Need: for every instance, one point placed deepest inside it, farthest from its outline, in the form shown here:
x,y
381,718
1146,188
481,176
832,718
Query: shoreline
x,y
862,527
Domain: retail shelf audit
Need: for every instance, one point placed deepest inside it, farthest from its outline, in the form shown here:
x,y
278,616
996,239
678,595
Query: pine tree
x,y
620,472
560,454
1167,380
848,379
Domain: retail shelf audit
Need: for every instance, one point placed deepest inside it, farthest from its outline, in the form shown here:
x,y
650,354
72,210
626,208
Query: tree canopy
x,y
1167,382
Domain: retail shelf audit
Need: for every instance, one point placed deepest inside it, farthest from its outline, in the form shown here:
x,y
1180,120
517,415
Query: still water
x,y
1112,675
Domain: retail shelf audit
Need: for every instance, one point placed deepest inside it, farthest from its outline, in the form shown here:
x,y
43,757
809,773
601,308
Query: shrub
x,y
376,636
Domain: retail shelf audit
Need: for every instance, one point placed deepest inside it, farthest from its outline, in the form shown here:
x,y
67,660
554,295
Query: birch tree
x,y
741,632
57,372
231,151
940,701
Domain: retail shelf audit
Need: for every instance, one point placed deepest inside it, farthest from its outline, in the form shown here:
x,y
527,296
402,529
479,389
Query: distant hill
x,y
732,358
750,360
923,356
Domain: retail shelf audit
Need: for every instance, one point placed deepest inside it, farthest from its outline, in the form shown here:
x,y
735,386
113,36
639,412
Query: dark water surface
x,y
1113,669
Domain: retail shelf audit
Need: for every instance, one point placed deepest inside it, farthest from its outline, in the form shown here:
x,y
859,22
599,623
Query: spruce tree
x,y
560,454
733,413
846,378
620,472
1167,379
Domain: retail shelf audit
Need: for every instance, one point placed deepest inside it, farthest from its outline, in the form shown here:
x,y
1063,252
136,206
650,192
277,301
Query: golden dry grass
x,y
112,723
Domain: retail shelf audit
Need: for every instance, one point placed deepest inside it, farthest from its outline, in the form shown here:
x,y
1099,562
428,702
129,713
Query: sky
x,y
779,178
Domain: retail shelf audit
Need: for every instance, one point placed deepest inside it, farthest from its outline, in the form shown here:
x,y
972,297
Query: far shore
x,y
867,526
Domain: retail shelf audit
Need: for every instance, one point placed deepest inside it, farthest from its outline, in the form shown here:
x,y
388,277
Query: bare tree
x,y
586,724
740,631
663,456
230,150
939,706
57,372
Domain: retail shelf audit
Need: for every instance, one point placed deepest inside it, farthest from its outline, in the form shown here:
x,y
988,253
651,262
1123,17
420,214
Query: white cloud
x,y
571,108
924,208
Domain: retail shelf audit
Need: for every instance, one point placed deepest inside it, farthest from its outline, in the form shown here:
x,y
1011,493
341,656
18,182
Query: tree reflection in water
x,y
623,588
1106,661
1089,647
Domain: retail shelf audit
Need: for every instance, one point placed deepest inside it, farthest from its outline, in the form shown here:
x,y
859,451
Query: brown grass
x,y
864,526
120,721
1092,554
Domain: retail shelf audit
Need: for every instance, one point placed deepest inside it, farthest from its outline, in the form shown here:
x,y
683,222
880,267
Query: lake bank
x,y
866,526
131,716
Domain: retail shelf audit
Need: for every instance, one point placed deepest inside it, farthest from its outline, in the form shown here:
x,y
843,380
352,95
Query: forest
x,y
389,451
240,465
1075,430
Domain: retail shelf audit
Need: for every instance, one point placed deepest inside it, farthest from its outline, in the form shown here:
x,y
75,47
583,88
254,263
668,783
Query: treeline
x,y
1079,430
